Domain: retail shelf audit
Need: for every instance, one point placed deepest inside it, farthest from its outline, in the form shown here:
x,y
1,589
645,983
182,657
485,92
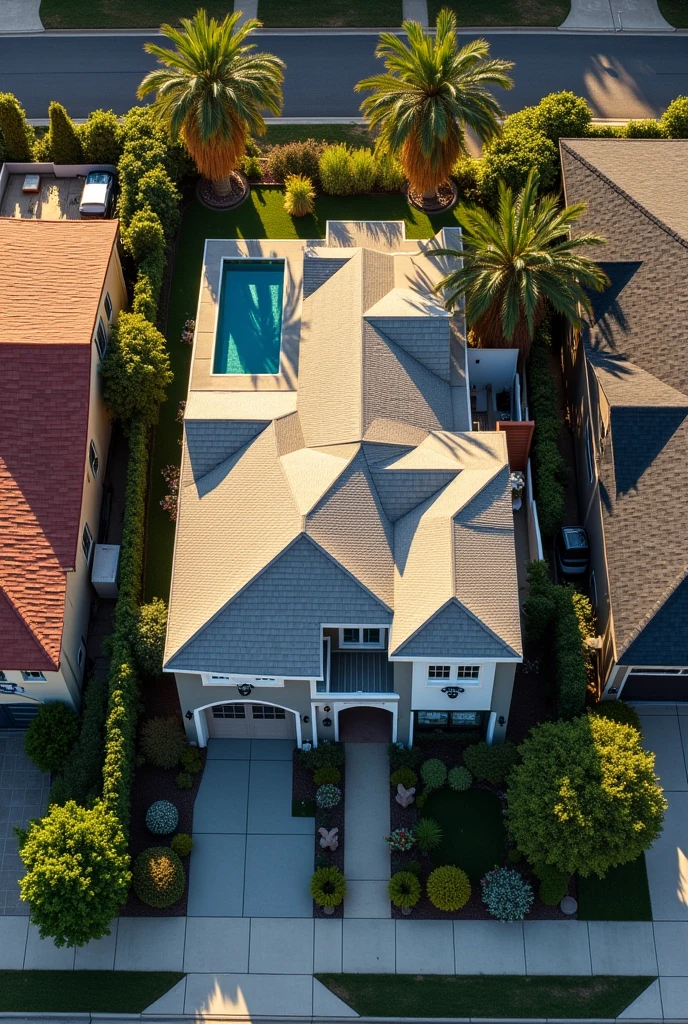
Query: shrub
x,y
506,894
448,888
674,120
252,168
145,300
152,267
554,884
82,776
414,867
182,844
298,195
433,773
428,834
515,855
149,639
516,151
64,143
550,471
77,872
468,173
328,887
404,889
569,659
605,131
421,800
183,780
163,741
562,115
328,796
403,757
144,237
585,797
328,774
191,760
540,605
585,616
405,777
645,129
326,753
460,779
401,840
364,171
390,173
157,191
132,166
162,818
51,736
618,711
302,158
136,369
336,173
158,876
18,136
101,137
491,763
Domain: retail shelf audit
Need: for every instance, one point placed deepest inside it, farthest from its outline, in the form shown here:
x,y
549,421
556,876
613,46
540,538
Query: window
x,y
229,711
439,671
33,677
365,636
87,543
466,718
267,713
219,679
93,459
593,589
589,455
468,671
101,338
266,681
432,718
108,307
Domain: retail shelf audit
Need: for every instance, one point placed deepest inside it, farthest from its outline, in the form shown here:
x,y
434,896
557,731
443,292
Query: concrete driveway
x,y
23,795
251,858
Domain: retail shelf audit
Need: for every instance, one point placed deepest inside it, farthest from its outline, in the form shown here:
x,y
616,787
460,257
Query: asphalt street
x,y
621,75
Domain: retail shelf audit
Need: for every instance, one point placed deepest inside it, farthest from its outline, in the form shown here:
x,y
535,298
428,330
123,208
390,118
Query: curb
x,y
483,30
117,1018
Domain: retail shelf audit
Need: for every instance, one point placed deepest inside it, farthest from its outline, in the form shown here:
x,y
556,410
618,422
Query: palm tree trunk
x,y
222,187
430,197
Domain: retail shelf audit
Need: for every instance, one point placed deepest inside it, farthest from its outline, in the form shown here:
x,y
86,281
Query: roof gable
x,y
454,632
663,640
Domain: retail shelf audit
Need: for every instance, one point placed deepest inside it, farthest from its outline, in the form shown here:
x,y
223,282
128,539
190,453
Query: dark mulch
x,y
532,701
303,789
209,197
447,194
150,784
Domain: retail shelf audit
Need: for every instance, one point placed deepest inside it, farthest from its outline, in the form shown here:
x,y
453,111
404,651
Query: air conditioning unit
x,y
105,570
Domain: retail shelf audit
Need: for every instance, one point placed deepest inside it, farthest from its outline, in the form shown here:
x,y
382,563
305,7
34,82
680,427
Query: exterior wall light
x,y
188,715
327,708
327,722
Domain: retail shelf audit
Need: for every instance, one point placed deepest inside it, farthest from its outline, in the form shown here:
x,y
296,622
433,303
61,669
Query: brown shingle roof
x,y
51,279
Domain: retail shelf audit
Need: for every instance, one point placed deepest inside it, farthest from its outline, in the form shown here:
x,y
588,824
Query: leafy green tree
x,y
517,263
77,872
514,154
585,796
64,144
562,115
646,129
136,370
158,192
212,90
432,91
51,736
674,120
101,137
149,641
18,136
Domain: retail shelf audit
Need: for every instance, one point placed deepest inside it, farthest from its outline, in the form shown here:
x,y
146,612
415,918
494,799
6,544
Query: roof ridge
x,y
625,195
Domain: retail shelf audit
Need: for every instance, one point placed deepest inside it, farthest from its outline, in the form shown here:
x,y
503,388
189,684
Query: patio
x,y
23,795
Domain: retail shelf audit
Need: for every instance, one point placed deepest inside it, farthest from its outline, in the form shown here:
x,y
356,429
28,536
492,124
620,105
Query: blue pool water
x,y
249,325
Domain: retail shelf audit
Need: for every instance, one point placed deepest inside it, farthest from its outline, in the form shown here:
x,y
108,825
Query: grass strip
x,y
484,995
675,12
622,895
540,13
333,14
279,134
83,991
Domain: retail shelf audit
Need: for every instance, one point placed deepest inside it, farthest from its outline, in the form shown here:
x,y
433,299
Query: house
x,y
344,558
627,380
61,287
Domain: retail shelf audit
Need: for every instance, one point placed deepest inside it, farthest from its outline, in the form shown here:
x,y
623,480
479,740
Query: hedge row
x,y
550,471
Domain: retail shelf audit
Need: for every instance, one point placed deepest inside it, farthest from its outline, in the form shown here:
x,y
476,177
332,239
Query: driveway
x,y
23,795
251,858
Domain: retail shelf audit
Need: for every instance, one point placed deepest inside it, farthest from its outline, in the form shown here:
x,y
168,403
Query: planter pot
x,y
406,911
516,503
328,910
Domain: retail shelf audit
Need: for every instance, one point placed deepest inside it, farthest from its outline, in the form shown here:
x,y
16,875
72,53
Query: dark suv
x,y
571,551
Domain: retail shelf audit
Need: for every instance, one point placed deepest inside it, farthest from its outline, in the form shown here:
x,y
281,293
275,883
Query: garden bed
x,y
303,803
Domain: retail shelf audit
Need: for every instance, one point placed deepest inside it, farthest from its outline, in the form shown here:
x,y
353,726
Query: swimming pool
x,y
249,324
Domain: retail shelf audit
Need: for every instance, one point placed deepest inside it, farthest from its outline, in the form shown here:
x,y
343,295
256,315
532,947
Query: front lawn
x,y
261,216
473,827
351,133
539,13
483,995
333,14
622,895
83,991
675,12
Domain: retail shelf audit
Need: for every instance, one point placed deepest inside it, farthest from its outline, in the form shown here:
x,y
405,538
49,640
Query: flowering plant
x,y
518,482
401,839
506,894
170,501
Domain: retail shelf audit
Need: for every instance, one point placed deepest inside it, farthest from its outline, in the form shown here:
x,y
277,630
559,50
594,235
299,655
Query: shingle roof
x,y
51,278
636,345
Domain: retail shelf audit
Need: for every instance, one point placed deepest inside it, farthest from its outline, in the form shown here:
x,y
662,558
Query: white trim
x,y
253,259
202,729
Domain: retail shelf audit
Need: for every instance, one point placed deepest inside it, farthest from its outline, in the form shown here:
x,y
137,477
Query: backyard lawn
x,y
261,216
82,991
473,827
483,995
622,895
505,12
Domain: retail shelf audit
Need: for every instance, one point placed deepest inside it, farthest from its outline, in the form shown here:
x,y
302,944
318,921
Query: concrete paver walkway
x,y
615,16
20,16
366,855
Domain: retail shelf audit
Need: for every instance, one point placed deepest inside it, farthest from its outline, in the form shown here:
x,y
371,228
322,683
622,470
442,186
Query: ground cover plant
x,y
83,991
472,830
622,895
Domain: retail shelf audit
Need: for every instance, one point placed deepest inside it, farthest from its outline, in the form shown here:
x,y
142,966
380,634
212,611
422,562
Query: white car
x,y
96,199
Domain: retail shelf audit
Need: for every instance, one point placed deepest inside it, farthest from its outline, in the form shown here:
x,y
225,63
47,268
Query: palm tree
x,y
431,92
518,261
212,90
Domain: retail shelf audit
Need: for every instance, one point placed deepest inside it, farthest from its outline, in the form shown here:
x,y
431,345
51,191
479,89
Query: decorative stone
x,y
405,796
406,911
328,910
568,905
329,840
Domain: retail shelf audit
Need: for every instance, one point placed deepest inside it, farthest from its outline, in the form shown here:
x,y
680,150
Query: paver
x,y
671,941
424,947
494,943
216,944
99,954
249,995
280,946
674,993
636,938
554,947
327,946
44,955
216,876
150,944
368,947
13,933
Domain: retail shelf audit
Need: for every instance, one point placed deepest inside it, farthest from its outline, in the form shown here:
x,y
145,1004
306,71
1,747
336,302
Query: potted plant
x,y
518,482
328,887
404,891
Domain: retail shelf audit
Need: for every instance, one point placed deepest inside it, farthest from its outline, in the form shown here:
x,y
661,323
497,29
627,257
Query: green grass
x,y
473,827
332,14
675,12
261,216
622,895
503,12
83,991
483,995
278,134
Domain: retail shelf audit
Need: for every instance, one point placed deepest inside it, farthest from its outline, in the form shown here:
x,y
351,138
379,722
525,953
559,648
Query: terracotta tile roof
x,y
51,278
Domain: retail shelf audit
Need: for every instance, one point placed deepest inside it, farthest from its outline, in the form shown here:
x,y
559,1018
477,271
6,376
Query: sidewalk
x,y
20,16
615,16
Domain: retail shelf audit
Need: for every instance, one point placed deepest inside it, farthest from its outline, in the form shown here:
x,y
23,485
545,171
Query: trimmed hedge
x,y
18,136
550,470
51,736
82,777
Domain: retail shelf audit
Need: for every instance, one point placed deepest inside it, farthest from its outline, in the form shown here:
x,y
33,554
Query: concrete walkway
x,y
24,794
615,16
366,855
416,10
20,16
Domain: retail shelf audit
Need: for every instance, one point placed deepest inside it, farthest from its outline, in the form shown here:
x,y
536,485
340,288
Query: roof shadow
x,y
639,435
608,314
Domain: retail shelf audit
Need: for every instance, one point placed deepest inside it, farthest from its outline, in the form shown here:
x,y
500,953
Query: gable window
x,y
87,543
360,636
589,458
108,307
468,671
439,671
93,460
33,677
101,338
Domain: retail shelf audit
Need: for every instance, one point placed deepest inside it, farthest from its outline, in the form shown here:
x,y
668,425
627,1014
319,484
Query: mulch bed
x,y
150,784
303,788
447,194
209,197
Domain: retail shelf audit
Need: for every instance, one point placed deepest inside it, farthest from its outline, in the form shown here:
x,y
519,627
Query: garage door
x,y
662,687
17,716
250,721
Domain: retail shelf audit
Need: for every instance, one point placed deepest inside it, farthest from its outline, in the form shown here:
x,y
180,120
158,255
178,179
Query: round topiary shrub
x,y
554,885
158,877
51,736
433,773
459,779
328,887
327,775
448,888
162,817
506,894
328,796
404,889
405,777
182,844
183,780
163,742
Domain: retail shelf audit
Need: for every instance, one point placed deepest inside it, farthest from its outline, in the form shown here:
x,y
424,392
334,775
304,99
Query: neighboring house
x,y
627,380
61,286
344,555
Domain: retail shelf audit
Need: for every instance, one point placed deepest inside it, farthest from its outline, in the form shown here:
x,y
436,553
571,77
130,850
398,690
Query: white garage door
x,y
250,721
